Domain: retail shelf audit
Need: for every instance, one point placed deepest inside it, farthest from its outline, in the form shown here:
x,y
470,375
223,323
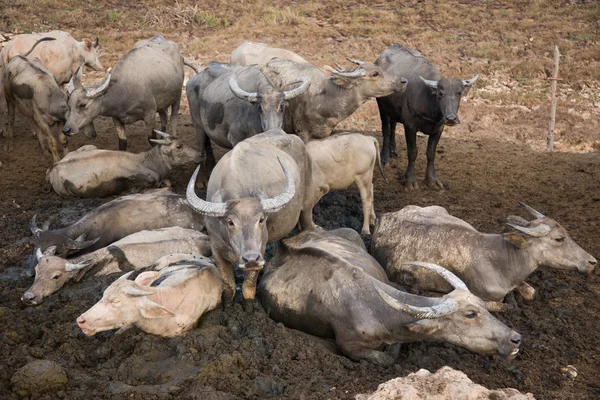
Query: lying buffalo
x,y
134,252
341,160
90,172
329,287
429,103
165,303
491,265
256,194
230,103
329,99
144,81
116,219
249,53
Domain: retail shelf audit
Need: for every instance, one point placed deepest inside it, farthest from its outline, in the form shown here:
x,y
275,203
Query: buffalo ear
x,y
88,44
516,240
150,309
344,82
424,327
146,278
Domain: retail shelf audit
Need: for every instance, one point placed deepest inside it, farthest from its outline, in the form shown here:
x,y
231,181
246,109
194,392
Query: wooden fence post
x,y
553,79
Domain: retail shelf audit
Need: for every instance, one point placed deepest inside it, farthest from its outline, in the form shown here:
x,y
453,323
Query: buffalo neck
x,y
154,160
347,100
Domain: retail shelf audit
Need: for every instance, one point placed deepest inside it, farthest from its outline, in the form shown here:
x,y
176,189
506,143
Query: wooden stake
x,y
553,79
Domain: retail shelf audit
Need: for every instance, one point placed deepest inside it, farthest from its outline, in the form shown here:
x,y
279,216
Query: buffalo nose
x,y
452,120
593,262
66,129
251,258
80,320
516,339
28,297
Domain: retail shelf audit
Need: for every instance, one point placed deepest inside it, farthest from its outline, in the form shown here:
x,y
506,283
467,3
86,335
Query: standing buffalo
x,y
144,81
429,103
256,194
491,265
329,99
249,53
116,219
231,103
60,57
329,287
90,172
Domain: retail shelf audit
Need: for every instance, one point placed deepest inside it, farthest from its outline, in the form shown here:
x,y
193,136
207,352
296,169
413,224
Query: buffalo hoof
x,y
394,153
410,186
435,183
249,306
8,148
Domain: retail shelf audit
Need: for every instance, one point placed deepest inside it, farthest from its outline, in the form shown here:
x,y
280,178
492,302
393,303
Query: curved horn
x,y
538,231
76,267
161,133
535,214
202,206
443,272
445,308
75,81
80,245
241,93
50,251
125,276
357,73
276,203
164,142
33,226
339,67
39,254
131,291
355,61
299,90
514,219
470,82
431,84
95,92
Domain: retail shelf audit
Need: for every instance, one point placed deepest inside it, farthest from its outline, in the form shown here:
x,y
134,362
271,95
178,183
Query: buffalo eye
x,y
460,93
56,276
471,315
82,105
374,74
559,239
179,146
230,223
261,220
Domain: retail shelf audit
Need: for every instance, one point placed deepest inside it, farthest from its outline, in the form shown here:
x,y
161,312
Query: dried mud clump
x,y
39,376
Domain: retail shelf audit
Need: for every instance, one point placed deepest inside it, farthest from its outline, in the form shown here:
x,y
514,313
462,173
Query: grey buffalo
x,y
249,53
429,103
256,194
90,172
116,219
230,103
329,99
491,265
146,80
329,287
134,252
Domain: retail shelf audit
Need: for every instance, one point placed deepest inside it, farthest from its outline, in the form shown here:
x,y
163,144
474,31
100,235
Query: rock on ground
x,y
445,384
39,376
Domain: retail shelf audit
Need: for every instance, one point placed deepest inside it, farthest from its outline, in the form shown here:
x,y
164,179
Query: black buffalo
x,y
429,103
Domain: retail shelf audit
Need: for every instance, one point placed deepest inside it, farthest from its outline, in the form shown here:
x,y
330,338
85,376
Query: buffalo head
x,y
173,151
369,79
89,52
448,92
85,103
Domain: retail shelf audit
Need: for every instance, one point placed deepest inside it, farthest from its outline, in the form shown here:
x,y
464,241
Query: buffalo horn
x,y
355,61
538,231
165,135
33,226
125,276
76,267
202,206
39,254
164,142
357,73
75,81
80,244
276,203
131,291
470,82
290,94
437,311
241,93
535,214
514,219
95,92
443,272
431,84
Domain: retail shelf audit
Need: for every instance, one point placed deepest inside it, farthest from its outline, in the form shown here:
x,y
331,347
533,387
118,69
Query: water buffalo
x,y
344,159
229,104
134,252
144,81
249,53
31,88
256,194
491,265
329,99
329,287
60,57
165,303
429,103
116,219
90,172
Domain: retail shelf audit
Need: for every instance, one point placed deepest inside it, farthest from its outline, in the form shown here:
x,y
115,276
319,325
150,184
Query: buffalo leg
x,y
52,143
120,127
64,141
385,133
412,152
150,121
11,121
175,115
365,187
164,118
226,271
356,352
525,290
393,148
432,179
249,289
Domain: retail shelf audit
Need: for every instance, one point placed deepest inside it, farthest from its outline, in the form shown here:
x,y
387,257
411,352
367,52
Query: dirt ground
x,y
489,162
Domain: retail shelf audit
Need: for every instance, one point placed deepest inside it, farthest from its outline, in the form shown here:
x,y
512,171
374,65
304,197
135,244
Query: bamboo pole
x,y
553,79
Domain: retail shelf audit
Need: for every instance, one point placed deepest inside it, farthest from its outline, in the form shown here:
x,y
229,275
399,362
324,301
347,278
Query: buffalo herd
x,y
178,255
